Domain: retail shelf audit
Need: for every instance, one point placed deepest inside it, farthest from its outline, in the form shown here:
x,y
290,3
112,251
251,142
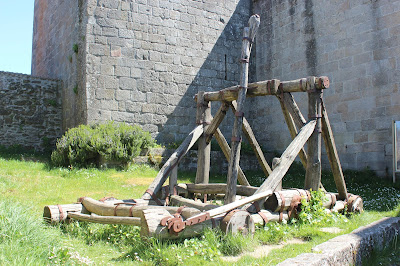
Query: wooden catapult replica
x,y
175,210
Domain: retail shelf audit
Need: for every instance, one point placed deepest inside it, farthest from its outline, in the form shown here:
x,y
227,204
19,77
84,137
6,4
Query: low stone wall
x,y
352,248
30,111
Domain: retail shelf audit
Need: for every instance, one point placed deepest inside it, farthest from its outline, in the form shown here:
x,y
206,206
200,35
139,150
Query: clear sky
x,y
16,27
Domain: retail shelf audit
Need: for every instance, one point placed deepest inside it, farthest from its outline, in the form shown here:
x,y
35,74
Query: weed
x,y
313,211
75,48
52,102
75,89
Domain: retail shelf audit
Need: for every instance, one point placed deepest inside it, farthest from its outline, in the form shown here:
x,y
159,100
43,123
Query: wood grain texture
x,y
204,148
248,37
263,88
313,169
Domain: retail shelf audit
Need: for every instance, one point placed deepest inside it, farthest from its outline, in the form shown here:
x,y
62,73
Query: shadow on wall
x,y
219,70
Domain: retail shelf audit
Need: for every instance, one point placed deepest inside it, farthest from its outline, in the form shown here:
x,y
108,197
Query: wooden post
x,y
203,118
313,170
333,156
248,37
253,143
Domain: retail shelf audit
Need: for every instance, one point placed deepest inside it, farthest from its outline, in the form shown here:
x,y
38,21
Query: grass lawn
x,y
28,183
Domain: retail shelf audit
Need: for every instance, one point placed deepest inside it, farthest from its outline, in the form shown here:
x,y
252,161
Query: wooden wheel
x,y
238,221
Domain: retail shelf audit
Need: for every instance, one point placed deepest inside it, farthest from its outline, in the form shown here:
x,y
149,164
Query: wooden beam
x,y
286,160
292,128
294,110
216,121
299,121
181,201
313,170
248,37
217,188
233,205
333,156
164,172
253,143
263,88
227,152
203,117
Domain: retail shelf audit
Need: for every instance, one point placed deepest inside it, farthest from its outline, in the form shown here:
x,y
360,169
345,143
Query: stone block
x,y
360,137
109,32
368,124
127,83
108,4
122,95
122,71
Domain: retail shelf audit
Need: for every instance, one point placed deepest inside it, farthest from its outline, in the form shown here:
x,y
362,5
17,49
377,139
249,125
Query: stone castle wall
x,y
147,59
357,45
30,111
58,30
142,61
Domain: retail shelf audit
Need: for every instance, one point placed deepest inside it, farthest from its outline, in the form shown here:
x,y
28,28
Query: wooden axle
x,y
267,87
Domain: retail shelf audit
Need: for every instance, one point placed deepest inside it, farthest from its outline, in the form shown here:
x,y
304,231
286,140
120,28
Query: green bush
x,y
85,145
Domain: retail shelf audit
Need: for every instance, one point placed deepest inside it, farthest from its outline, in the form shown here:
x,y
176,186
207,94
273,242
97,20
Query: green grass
x,y
25,240
28,183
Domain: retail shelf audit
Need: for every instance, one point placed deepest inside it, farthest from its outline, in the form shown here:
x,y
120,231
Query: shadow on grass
x,y
19,153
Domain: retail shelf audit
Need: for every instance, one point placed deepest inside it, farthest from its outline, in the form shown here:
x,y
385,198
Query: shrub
x,y
85,145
